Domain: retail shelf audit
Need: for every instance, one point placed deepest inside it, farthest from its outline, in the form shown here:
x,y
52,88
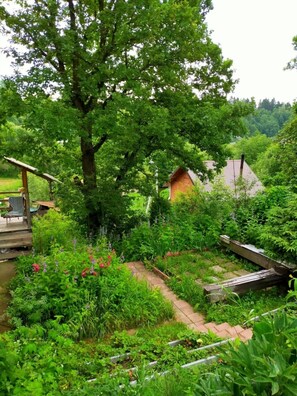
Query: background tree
x,y
119,80
269,117
252,147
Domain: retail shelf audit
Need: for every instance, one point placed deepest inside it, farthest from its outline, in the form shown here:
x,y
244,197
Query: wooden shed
x,y
183,180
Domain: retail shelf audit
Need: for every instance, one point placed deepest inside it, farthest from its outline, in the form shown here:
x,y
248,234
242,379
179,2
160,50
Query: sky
x,y
257,35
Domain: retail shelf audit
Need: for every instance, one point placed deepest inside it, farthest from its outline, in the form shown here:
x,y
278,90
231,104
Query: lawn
x,y
9,184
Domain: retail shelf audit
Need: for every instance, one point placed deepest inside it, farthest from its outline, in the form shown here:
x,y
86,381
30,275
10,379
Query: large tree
x,y
122,79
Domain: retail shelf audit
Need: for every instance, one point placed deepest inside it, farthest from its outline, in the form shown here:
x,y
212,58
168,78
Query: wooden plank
x,y
11,254
255,281
16,239
15,235
12,227
254,255
16,244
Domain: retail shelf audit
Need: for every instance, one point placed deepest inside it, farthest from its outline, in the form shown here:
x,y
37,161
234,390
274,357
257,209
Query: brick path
x,y
184,311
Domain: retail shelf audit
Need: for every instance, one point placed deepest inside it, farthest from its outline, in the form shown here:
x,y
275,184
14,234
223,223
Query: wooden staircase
x,y
14,243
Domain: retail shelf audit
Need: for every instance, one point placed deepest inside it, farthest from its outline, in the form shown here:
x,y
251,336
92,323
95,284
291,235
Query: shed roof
x,y
31,169
229,174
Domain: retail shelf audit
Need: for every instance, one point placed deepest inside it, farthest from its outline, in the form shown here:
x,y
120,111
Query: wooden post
x,y
51,193
241,165
27,198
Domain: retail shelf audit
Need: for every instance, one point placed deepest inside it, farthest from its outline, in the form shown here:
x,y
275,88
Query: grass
x,y
239,309
9,184
208,266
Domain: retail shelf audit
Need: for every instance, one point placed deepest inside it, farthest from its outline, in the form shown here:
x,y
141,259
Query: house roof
x,y
31,169
229,174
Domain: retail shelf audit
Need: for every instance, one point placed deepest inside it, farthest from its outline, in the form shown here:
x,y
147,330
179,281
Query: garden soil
x,y
7,272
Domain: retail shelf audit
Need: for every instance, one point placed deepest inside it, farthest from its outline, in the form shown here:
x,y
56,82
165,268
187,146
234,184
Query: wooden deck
x,y
15,238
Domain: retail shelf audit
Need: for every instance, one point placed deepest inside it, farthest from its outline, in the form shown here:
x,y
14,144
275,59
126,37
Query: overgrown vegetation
x,y
86,287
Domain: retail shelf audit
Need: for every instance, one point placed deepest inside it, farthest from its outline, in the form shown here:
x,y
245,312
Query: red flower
x,y
101,265
89,271
36,267
84,272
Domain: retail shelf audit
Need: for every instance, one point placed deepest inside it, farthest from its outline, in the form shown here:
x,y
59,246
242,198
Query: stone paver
x,y
241,272
218,269
229,275
184,312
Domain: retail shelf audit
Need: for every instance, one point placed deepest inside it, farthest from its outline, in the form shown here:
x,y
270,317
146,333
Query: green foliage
x,y
195,221
186,288
287,140
86,288
105,123
53,230
38,188
240,309
160,209
8,360
189,272
252,147
266,365
268,167
252,213
279,235
269,117
10,184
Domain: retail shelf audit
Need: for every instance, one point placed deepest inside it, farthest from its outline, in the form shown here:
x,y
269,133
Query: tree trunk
x,y
89,189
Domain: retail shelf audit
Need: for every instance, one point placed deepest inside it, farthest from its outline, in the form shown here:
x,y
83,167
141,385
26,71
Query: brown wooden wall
x,y
181,184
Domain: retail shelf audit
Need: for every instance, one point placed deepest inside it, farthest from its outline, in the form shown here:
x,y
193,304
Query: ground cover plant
x,y
47,361
43,360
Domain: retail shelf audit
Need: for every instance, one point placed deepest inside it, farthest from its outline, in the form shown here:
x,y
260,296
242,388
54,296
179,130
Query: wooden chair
x,y
17,208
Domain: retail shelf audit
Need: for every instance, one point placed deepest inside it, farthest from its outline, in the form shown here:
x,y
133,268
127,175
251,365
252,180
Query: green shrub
x,y
266,365
279,235
194,222
53,230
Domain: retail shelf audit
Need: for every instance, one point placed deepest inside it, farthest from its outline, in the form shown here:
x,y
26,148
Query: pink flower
x,y
101,265
36,267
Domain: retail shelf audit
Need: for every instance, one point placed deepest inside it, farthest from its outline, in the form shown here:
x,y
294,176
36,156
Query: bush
x,y
279,235
53,230
194,222
266,365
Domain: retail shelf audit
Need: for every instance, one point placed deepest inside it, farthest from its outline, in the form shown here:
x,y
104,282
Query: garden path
x,y
184,311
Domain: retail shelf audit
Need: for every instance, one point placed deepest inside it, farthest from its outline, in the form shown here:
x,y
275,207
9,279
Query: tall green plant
x,y
52,230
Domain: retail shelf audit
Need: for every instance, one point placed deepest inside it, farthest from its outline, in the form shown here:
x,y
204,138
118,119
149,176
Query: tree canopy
x,y
105,86
269,117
